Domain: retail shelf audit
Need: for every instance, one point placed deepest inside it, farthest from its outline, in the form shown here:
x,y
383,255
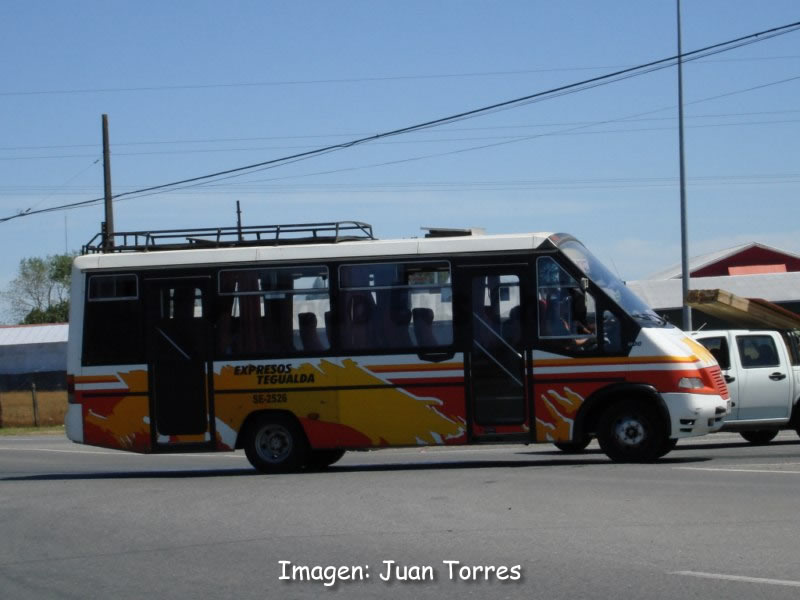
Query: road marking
x,y
730,470
784,582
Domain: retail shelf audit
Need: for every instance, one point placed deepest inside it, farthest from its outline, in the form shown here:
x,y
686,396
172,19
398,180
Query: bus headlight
x,y
690,383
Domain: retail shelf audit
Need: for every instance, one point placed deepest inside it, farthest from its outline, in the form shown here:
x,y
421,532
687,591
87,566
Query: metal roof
x,y
666,294
699,262
17,335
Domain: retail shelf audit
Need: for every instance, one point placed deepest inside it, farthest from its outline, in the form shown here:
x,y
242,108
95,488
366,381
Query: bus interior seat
x,y
423,326
357,324
397,328
308,332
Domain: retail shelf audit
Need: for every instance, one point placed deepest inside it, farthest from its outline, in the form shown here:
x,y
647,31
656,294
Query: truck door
x,y
720,349
765,379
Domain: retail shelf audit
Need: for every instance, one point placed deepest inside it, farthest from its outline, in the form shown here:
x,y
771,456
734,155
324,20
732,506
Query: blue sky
x,y
194,88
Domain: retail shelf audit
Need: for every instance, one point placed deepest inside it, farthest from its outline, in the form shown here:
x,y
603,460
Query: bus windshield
x,y
611,285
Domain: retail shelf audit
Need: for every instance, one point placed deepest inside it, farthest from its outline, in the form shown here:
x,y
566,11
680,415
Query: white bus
x,y
299,342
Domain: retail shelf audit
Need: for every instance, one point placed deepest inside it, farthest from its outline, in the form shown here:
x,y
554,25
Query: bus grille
x,y
719,382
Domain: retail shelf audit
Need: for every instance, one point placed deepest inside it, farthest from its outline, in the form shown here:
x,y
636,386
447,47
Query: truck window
x,y
757,351
718,346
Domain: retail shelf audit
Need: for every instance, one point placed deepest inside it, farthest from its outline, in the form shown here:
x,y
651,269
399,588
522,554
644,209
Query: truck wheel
x,y
322,459
573,446
759,436
276,444
632,431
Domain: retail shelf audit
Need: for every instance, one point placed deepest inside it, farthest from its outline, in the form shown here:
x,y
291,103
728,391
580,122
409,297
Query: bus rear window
x,y
113,330
113,287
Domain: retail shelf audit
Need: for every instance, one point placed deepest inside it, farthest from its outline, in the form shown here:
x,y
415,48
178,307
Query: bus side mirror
x,y
584,283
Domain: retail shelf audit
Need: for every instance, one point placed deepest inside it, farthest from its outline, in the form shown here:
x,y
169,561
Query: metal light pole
x,y
687,311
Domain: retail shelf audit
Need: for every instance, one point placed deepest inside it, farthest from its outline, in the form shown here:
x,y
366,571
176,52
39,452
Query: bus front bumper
x,y
695,414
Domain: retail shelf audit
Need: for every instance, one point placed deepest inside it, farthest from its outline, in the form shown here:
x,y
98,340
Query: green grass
x,y
45,430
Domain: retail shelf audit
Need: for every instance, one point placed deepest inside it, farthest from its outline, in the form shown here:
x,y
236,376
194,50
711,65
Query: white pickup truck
x,y
762,370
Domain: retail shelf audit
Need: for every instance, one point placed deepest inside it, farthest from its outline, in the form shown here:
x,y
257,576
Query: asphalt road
x,y
717,518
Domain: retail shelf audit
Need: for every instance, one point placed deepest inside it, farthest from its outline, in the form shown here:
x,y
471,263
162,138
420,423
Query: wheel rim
x,y
629,432
273,444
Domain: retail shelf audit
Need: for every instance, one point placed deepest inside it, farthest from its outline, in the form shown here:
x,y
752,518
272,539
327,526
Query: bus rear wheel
x,y
632,432
276,444
322,459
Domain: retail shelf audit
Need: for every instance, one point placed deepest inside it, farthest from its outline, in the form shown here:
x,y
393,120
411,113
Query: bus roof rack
x,y
230,237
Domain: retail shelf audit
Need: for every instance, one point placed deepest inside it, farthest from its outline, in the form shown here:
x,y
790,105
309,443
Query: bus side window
x,y
273,311
395,306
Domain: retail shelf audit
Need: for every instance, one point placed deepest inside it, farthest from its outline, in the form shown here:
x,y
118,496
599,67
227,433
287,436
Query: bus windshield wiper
x,y
649,317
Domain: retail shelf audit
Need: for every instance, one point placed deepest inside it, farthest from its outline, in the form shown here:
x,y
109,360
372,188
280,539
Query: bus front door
x,y
496,366
179,350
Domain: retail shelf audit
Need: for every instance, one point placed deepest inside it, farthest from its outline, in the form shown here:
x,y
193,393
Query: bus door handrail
x,y
492,357
172,342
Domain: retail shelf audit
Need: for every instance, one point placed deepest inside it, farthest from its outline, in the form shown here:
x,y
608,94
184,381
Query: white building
x,y
33,353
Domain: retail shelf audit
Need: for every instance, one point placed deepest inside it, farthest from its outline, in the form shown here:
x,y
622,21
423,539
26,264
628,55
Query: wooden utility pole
x,y
35,400
108,226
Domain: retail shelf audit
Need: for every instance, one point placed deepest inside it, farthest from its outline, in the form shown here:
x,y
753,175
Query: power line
x,y
517,137
359,134
568,131
345,80
490,109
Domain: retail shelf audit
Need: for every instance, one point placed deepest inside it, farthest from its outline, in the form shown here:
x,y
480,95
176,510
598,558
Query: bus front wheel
x,y
276,444
574,446
632,431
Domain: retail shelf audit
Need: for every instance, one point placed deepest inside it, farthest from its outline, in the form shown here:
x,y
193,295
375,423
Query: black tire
x,y
667,447
276,444
632,432
759,436
573,447
322,459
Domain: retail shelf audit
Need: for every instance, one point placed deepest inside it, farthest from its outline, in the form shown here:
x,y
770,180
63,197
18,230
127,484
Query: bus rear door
x,y
179,345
